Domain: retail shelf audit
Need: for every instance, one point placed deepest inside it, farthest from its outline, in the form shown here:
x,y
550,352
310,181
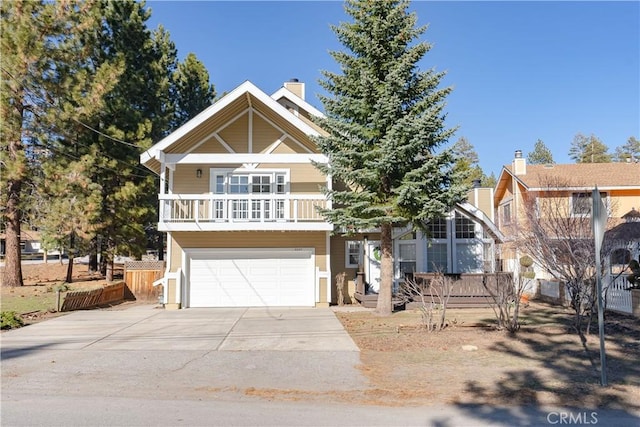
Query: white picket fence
x,y
617,297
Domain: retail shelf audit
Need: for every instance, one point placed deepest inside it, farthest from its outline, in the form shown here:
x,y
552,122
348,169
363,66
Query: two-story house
x,y
522,187
238,201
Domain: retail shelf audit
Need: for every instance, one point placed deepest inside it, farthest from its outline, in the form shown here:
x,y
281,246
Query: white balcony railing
x,y
240,208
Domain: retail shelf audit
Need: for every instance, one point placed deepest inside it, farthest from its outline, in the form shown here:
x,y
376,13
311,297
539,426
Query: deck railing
x,y
241,208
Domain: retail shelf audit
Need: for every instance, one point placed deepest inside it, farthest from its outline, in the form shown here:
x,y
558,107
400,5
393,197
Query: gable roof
x,y
247,92
476,213
283,92
580,175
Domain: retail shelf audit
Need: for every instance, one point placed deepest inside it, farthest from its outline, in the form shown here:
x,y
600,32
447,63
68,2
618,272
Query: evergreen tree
x,y
133,113
45,83
385,124
193,91
541,155
589,150
629,151
72,210
489,181
466,164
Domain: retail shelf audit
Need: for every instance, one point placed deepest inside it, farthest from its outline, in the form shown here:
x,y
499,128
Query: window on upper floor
x,y
506,213
437,228
581,203
245,182
465,228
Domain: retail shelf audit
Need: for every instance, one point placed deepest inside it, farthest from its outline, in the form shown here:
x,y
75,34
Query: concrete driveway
x,y
221,329
150,351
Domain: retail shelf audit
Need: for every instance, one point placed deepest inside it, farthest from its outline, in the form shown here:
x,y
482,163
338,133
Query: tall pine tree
x,y
467,164
541,155
385,124
629,152
193,91
589,149
47,79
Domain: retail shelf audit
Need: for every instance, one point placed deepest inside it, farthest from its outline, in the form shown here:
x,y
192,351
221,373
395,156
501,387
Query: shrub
x,y
10,320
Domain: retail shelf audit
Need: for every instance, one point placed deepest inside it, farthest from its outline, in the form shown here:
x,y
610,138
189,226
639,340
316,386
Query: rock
x,y
469,348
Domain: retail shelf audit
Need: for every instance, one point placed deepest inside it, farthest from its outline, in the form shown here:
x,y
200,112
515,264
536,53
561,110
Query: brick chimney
x,y
295,86
519,164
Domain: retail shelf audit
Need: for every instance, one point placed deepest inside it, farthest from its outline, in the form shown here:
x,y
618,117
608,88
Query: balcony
x,y
242,212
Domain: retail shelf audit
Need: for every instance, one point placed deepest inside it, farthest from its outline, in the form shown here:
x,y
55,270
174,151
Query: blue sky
x,y
520,71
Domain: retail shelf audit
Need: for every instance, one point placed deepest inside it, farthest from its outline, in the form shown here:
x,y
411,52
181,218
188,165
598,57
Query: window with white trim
x,y
506,213
581,203
465,228
352,253
258,190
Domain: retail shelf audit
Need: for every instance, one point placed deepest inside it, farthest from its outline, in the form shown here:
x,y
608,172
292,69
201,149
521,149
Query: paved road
x,y
146,366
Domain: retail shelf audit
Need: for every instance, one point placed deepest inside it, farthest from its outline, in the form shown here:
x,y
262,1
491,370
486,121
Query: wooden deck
x,y
467,291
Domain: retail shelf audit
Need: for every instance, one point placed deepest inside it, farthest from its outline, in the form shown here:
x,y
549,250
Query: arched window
x,y
620,259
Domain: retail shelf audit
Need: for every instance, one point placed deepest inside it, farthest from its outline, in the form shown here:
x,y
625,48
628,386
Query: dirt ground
x,y
36,300
470,362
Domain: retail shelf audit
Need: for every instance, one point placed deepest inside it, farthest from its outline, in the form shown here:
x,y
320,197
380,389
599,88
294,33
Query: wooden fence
x,y
78,300
139,277
467,290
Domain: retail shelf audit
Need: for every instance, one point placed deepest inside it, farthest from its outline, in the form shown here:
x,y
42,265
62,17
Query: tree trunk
x,y
13,254
70,269
12,262
385,303
93,256
107,257
109,275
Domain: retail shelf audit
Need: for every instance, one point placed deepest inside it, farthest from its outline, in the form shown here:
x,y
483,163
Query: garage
x,y
251,277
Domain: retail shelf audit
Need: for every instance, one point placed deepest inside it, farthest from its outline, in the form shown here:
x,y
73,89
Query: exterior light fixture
x,y
198,173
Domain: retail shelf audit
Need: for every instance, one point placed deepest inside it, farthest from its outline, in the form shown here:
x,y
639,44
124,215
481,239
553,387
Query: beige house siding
x,y
287,147
622,201
250,239
211,146
305,178
185,180
236,135
338,261
482,198
264,135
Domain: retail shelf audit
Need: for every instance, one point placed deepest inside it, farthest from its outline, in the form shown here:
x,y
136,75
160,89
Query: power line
x,y
32,92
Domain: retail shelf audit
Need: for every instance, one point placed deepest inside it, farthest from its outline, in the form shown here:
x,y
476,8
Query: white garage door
x,y
251,278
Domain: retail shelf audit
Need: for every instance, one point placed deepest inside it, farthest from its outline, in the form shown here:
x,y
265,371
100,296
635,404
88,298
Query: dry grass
x,y
545,363
37,299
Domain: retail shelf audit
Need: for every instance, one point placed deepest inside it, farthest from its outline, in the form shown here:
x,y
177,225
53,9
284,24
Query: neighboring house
x,y
570,184
622,244
238,200
30,243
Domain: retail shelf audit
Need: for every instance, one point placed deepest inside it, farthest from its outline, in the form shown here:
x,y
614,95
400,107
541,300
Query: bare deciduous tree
x,y
557,233
431,296
507,292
